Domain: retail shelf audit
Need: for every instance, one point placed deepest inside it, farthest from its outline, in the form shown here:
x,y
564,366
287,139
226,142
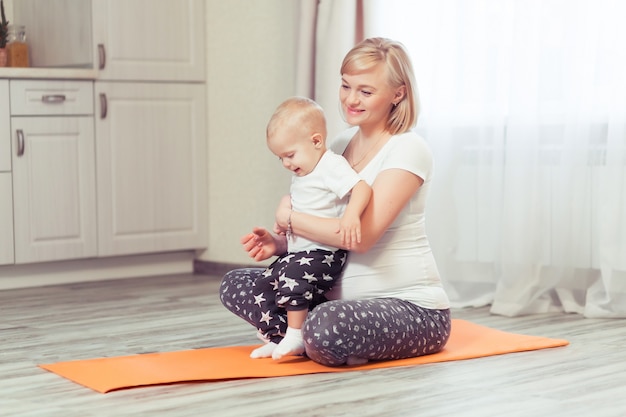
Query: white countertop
x,y
49,73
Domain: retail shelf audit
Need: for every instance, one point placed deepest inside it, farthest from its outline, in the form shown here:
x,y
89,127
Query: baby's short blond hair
x,y
301,113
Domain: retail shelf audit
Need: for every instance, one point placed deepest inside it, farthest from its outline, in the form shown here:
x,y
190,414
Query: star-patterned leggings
x,y
294,281
334,331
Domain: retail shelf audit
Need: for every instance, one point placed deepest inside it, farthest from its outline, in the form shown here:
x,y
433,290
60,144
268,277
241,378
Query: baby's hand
x,y
260,244
350,230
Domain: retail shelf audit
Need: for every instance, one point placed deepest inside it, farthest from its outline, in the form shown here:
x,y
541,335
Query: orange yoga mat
x,y
467,341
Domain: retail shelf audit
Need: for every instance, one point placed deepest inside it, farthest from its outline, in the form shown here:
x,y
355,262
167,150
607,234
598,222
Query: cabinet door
x,y
5,131
152,40
6,192
54,188
6,219
151,161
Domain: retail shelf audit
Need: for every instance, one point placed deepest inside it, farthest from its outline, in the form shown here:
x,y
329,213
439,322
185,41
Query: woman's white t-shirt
x,y
401,263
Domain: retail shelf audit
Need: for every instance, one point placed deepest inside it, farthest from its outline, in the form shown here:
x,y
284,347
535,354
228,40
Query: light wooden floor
x,y
49,324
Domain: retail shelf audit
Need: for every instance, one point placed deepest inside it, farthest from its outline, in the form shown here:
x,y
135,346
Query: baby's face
x,y
298,152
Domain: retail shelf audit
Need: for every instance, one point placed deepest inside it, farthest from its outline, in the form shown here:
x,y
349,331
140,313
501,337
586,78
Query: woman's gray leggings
x,y
374,329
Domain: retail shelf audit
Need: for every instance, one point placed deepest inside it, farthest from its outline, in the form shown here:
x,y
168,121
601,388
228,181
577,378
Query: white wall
x,y
251,50
8,10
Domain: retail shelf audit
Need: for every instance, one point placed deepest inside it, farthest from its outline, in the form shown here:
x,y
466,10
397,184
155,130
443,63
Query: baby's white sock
x,y
292,344
264,351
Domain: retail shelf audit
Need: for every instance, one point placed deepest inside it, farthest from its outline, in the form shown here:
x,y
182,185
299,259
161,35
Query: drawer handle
x,y
103,106
53,98
21,143
102,56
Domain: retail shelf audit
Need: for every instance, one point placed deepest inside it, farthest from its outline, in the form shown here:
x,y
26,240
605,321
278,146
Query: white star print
x,y
267,272
329,259
282,300
304,261
309,277
287,258
327,277
266,317
258,299
274,284
290,283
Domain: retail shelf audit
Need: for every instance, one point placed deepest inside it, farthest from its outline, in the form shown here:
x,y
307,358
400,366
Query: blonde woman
x,y
389,303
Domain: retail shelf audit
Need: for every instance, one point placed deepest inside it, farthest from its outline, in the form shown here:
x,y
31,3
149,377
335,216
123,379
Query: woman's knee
x,y
229,278
321,334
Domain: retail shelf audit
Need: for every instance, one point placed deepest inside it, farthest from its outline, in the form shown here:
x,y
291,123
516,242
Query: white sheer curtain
x,y
327,30
524,106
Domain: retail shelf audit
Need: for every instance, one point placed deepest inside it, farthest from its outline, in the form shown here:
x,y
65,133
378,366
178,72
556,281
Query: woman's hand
x,y
261,244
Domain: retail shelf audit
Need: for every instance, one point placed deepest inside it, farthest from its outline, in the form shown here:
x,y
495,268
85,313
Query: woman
x,y
390,303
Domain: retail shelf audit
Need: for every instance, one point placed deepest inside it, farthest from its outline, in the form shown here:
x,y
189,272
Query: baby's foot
x,y
292,344
264,351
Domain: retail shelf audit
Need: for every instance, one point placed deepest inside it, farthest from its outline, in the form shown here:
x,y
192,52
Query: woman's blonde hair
x,y
373,51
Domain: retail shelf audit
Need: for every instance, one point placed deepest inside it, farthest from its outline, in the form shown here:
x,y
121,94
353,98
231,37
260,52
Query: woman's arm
x,y
391,191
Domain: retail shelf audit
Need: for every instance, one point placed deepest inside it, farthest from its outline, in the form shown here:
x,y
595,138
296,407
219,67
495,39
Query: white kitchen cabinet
x,y
6,219
149,40
54,201
115,161
151,167
54,189
58,32
6,191
5,132
151,137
